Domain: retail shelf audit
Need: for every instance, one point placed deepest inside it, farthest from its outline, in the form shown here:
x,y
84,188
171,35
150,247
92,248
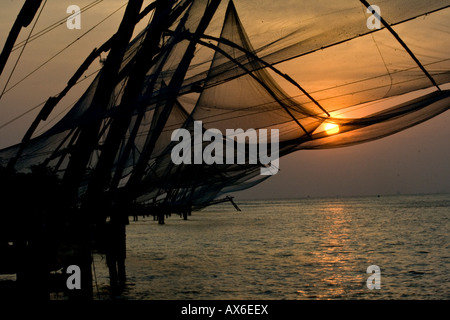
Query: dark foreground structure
x,y
70,191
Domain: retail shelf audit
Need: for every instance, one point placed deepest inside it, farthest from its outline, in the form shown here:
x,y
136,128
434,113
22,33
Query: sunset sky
x,y
413,161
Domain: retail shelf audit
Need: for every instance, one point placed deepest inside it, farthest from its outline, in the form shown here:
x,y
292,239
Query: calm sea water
x,y
292,249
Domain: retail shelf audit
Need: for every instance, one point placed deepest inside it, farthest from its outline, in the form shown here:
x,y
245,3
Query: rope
x,y
54,26
23,49
21,115
381,56
42,103
407,49
61,51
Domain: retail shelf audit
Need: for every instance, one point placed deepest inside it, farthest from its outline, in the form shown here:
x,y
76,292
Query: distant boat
x,y
195,61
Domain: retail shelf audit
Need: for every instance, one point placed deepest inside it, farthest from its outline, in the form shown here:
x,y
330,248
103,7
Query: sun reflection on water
x,y
332,252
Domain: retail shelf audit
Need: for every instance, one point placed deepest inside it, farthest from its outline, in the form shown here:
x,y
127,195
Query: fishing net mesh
x,y
339,71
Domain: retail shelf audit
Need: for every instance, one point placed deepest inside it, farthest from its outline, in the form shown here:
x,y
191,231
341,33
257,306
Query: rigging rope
x,y
360,35
21,115
62,50
403,44
381,56
42,103
21,52
53,26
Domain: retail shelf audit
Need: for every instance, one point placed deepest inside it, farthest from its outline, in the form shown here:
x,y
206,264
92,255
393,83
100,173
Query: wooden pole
x,y
173,89
87,141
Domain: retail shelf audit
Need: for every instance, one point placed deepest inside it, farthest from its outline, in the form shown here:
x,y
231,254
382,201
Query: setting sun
x,y
331,128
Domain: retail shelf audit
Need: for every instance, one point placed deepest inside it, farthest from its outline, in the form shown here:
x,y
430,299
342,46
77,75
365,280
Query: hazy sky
x,y
414,161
